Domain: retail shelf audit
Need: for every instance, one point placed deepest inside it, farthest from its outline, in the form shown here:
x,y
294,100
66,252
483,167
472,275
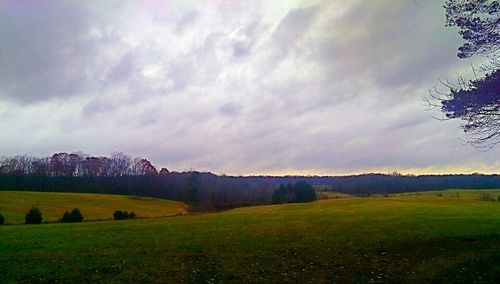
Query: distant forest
x,y
122,174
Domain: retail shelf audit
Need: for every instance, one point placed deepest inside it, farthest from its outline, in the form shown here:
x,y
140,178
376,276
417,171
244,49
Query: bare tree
x,y
143,167
121,164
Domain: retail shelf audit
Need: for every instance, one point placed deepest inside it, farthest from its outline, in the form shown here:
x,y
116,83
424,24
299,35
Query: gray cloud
x,y
41,55
312,87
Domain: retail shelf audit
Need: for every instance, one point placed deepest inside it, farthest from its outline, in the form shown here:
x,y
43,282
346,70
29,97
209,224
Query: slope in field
x,y
14,204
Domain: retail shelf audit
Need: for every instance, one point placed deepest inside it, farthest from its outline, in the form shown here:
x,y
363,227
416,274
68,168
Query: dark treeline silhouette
x,y
301,191
121,174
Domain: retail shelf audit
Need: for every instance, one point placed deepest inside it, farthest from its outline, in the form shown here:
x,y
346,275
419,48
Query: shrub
x,y
34,216
123,215
74,217
118,215
2,219
486,196
66,218
131,215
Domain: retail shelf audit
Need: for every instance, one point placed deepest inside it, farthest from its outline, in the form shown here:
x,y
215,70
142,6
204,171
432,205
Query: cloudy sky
x,y
236,87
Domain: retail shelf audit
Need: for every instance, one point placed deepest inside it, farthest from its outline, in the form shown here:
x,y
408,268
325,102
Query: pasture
x,y
15,204
408,238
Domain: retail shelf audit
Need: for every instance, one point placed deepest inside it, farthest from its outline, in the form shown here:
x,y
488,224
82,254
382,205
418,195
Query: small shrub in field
x,y
66,218
123,215
2,219
131,215
440,194
118,215
74,217
34,216
486,196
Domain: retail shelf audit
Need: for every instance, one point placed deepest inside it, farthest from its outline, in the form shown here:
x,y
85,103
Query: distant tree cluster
x,y
301,191
121,174
77,164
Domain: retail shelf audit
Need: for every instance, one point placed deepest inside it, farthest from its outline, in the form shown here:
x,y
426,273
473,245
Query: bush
x,y
66,218
2,219
118,215
486,196
74,217
123,215
34,216
131,215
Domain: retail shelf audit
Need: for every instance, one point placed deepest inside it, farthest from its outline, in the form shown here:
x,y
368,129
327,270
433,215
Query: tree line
x,y
122,174
77,164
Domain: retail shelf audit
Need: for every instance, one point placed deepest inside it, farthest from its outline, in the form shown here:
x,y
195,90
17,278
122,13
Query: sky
x,y
328,87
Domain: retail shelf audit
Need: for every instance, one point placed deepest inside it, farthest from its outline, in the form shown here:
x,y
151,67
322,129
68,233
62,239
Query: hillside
x,y
414,238
15,204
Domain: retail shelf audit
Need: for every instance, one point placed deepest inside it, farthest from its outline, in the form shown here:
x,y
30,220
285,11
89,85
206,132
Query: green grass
x,y
15,204
410,238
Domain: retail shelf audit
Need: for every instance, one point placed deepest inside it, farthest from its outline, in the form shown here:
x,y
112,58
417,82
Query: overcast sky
x,y
236,87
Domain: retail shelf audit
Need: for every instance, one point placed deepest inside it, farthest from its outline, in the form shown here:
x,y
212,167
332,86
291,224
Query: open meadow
x,y
417,237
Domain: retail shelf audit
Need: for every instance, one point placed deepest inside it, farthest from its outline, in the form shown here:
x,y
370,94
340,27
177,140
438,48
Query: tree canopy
x,y
478,21
476,102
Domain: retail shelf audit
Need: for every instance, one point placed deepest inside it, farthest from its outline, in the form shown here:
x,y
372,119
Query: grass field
x,y
333,195
410,238
15,204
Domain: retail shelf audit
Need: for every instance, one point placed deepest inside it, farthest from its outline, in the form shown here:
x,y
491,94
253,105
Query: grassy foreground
x,y
413,238
15,204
